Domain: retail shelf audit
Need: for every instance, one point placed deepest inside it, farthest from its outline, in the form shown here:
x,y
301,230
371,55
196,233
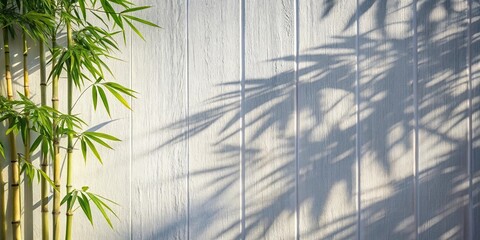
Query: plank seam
x,y
469,129
357,118
242,121
131,138
415,116
297,119
187,112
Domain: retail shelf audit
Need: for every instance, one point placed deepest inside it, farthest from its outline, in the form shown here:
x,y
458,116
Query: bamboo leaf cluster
x,y
92,28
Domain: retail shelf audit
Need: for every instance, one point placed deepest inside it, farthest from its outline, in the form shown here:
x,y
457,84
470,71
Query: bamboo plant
x,y
83,62
31,24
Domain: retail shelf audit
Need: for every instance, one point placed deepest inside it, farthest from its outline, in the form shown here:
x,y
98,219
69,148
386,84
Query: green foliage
x,y
31,171
2,151
84,199
84,60
88,140
35,22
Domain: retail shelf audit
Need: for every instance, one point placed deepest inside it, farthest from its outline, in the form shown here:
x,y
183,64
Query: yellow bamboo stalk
x,y
56,152
44,156
68,232
28,195
3,225
14,167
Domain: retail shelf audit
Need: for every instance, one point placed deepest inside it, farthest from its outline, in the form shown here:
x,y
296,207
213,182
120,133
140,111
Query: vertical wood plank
x,y
475,101
327,117
386,119
158,170
214,106
269,108
116,163
443,116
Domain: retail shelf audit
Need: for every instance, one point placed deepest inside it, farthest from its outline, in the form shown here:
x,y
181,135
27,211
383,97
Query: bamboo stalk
x,y
3,227
56,151
28,194
16,212
44,156
14,168
68,233
26,80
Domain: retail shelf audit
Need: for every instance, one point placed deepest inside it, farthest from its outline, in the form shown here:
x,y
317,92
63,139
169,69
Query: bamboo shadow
x,y
382,96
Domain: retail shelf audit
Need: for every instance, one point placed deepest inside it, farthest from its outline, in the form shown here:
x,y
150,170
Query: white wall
x,y
292,119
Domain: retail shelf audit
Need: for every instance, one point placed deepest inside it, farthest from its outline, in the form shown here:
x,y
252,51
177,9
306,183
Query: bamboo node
x,y
15,222
69,150
43,84
69,214
56,212
15,184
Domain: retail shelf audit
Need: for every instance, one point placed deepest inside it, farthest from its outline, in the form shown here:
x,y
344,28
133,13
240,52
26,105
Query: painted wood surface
x,y
386,119
290,119
269,111
474,61
159,165
326,119
214,104
443,126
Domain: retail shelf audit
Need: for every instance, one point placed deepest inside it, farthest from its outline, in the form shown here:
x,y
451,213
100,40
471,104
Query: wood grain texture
x,y
475,104
443,115
159,165
116,163
269,120
327,117
182,171
386,126
214,122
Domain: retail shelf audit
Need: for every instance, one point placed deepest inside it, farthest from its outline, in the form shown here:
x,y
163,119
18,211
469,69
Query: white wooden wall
x,y
292,119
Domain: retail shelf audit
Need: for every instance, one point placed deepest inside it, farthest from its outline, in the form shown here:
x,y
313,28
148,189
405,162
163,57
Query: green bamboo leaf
x,y
104,100
100,141
93,149
85,205
65,199
101,207
2,151
82,8
72,200
102,135
143,21
45,145
48,179
94,97
84,149
120,88
119,98
134,29
36,143
135,9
